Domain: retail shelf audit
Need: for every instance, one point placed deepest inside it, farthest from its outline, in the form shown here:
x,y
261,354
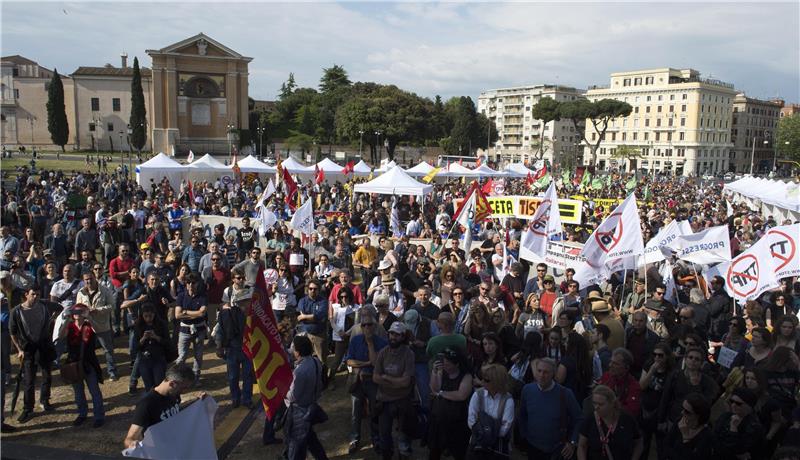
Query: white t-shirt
x,y
60,287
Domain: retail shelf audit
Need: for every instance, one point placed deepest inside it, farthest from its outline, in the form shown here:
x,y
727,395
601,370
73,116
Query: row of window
x,y
109,126
115,104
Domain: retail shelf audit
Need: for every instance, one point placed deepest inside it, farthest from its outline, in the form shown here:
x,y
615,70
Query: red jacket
x,y
627,390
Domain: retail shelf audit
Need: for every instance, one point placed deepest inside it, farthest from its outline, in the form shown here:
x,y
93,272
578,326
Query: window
x,y
635,136
647,122
646,135
15,72
626,82
659,109
624,137
671,97
636,109
683,108
16,94
649,98
684,96
670,121
660,97
91,127
647,109
95,104
671,108
683,122
637,81
115,104
658,122
111,127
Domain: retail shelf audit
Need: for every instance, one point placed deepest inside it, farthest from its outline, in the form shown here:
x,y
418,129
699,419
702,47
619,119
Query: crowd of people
x,y
454,351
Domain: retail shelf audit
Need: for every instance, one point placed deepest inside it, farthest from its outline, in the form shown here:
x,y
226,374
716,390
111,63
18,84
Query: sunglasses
x,y
458,293
312,288
659,292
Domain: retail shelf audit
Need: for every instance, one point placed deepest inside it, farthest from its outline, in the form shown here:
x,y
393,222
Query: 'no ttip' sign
x,y
742,277
783,249
539,226
610,238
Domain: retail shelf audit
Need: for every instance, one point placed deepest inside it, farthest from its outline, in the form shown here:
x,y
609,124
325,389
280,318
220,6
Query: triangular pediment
x,y
200,45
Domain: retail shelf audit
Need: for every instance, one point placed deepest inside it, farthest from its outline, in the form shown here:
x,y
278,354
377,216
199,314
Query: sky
x,y
448,49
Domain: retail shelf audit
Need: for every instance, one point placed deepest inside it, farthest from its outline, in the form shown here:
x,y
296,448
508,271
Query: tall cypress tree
x,y
138,120
56,113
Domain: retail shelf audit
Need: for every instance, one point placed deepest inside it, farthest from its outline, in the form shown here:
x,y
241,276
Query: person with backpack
x,y
490,416
550,416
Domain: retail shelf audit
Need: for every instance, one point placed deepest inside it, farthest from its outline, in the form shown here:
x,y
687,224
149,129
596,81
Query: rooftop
x,y
110,71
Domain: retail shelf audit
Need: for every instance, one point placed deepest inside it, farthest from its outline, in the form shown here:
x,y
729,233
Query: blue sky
x,y
431,48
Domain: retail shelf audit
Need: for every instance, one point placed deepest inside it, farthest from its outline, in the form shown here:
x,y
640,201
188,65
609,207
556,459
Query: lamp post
x,y
360,141
378,146
130,148
261,130
230,129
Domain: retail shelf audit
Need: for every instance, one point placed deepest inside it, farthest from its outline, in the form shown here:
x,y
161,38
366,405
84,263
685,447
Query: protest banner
x,y
751,273
545,224
187,434
783,248
560,255
524,207
665,237
618,236
707,247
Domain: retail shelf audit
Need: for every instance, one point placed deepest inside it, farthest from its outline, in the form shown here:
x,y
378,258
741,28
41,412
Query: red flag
x,y
191,192
482,210
348,168
262,344
529,180
540,173
290,189
461,161
488,187
319,175
478,163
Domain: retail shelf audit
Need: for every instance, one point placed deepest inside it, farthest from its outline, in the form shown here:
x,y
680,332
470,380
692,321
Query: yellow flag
x,y
429,177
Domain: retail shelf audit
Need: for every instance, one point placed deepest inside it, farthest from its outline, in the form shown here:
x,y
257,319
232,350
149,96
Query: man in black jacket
x,y
31,330
719,307
228,337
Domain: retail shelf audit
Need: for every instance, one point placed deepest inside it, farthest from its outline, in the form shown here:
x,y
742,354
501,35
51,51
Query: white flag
x,y
303,219
187,434
395,220
665,237
707,247
783,243
669,281
752,272
266,218
190,158
620,235
467,211
729,208
545,223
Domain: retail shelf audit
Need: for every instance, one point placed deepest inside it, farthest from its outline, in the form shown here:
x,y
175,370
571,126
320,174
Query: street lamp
x,y
360,141
261,130
378,146
230,129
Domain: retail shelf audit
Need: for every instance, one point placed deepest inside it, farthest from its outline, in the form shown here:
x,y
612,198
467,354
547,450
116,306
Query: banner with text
x,y
524,207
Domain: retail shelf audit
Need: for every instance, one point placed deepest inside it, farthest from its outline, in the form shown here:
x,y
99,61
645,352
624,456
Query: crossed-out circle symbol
x,y
607,240
753,279
541,223
784,260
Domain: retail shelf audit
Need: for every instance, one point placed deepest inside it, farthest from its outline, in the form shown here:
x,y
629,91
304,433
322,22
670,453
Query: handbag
x,y
73,373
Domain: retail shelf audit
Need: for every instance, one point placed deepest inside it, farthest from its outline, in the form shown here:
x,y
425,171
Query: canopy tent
x,y
251,164
770,197
208,168
330,167
157,168
362,169
518,170
458,170
386,166
295,167
394,182
420,170
485,171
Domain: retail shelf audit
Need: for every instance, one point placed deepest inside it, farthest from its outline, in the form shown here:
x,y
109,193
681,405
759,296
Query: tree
x,y
333,78
486,131
299,140
288,87
56,112
138,119
787,138
547,110
464,125
598,113
437,128
627,153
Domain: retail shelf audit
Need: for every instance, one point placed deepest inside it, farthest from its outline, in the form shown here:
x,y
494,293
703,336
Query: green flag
x,y
631,184
647,193
566,177
544,181
597,184
586,179
608,180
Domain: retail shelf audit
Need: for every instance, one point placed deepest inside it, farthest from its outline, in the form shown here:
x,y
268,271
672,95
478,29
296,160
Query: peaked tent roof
x,y
362,169
251,164
518,170
485,171
394,182
421,169
386,166
458,170
295,167
329,166
161,161
158,167
208,163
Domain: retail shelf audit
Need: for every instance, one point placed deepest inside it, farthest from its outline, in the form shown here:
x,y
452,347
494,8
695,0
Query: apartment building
x,y
753,133
520,136
680,123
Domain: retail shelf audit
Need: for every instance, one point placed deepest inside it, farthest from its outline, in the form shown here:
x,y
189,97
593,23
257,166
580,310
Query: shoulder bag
x,y
73,372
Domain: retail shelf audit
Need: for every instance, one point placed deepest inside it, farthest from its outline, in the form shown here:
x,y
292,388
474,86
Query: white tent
x,y
251,164
386,166
518,170
770,197
394,182
485,171
157,168
295,167
362,169
457,170
420,170
207,168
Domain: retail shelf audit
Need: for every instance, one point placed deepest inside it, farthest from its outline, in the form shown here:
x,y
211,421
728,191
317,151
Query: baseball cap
x,y
398,328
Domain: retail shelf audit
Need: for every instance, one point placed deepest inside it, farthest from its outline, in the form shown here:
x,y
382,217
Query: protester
x,y
393,373
303,410
611,433
78,331
153,347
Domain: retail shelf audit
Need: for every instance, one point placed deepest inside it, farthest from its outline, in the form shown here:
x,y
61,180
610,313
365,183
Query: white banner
x,y
751,273
560,255
707,247
665,237
187,434
303,219
620,235
783,242
546,223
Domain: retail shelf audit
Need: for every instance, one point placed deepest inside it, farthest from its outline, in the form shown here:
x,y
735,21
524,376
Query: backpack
x,y
486,430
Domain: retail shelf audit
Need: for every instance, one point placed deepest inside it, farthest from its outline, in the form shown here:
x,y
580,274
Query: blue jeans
x,y
197,341
239,364
94,391
423,378
152,370
106,340
364,397
133,349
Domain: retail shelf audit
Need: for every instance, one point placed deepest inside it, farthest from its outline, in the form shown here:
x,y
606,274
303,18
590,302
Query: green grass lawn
x,y
9,165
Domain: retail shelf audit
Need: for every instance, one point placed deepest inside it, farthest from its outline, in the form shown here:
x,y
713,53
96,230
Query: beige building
x,y
519,134
195,95
753,133
680,123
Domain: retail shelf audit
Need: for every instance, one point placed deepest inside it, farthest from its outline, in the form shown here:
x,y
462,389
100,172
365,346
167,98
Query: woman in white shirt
x,y
342,317
283,289
496,401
